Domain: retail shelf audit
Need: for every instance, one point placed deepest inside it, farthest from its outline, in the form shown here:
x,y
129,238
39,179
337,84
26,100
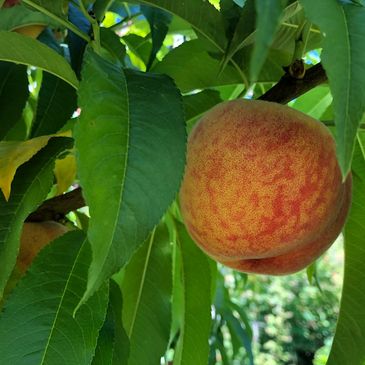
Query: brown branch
x,y
285,90
56,208
289,87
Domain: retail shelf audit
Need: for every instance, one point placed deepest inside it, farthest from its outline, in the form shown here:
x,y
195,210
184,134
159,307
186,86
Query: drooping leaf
x,y
348,346
31,185
147,288
113,343
343,58
14,154
21,49
203,17
132,130
13,95
192,346
37,325
57,101
159,21
268,18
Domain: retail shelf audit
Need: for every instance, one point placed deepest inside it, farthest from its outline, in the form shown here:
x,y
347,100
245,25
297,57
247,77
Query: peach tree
x,y
97,100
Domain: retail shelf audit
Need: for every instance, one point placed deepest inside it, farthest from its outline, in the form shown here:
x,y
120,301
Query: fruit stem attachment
x,y
61,21
297,69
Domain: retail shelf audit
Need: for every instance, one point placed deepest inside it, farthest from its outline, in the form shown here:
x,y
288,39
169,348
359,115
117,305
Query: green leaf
x,y
132,131
21,49
31,185
140,46
203,17
37,326
159,22
113,343
56,7
147,288
348,346
343,58
13,95
245,27
20,16
57,101
111,42
197,104
268,19
192,346
314,102
192,67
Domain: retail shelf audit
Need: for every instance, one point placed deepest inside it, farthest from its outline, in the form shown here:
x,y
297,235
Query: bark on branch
x,y
288,88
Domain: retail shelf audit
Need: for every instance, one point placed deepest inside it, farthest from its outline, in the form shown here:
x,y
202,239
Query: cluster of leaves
x,y
130,283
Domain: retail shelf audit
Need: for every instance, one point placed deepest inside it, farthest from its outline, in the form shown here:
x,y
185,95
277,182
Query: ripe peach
x,y
34,237
263,191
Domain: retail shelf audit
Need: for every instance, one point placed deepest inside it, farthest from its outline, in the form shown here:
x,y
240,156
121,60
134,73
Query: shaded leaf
x,y
31,185
111,42
197,104
113,343
56,7
348,346
21,49
13,95
147,288
268,18
57,101
159,22
76,44
343,58
131,130
245,26
37,326
192,346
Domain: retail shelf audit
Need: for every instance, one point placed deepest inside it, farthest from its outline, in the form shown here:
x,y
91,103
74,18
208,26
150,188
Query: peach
x,y
262,190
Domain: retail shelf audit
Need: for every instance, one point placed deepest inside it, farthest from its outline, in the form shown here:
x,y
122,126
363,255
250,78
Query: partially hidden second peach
x,y
262,190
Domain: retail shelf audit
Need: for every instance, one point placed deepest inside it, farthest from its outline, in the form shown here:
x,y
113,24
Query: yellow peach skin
x,y
262,190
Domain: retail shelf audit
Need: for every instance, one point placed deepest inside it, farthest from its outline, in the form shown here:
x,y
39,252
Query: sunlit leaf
x,y
147,288
132,131
37,325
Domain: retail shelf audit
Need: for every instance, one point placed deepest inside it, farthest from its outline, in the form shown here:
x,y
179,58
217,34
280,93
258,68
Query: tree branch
x,y
289,87
56,208
285,90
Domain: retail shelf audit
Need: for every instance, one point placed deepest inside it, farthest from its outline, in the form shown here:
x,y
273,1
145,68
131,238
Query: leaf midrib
x,y
60,303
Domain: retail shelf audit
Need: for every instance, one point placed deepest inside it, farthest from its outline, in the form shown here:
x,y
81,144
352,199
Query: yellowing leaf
x,y
15,153
65,172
